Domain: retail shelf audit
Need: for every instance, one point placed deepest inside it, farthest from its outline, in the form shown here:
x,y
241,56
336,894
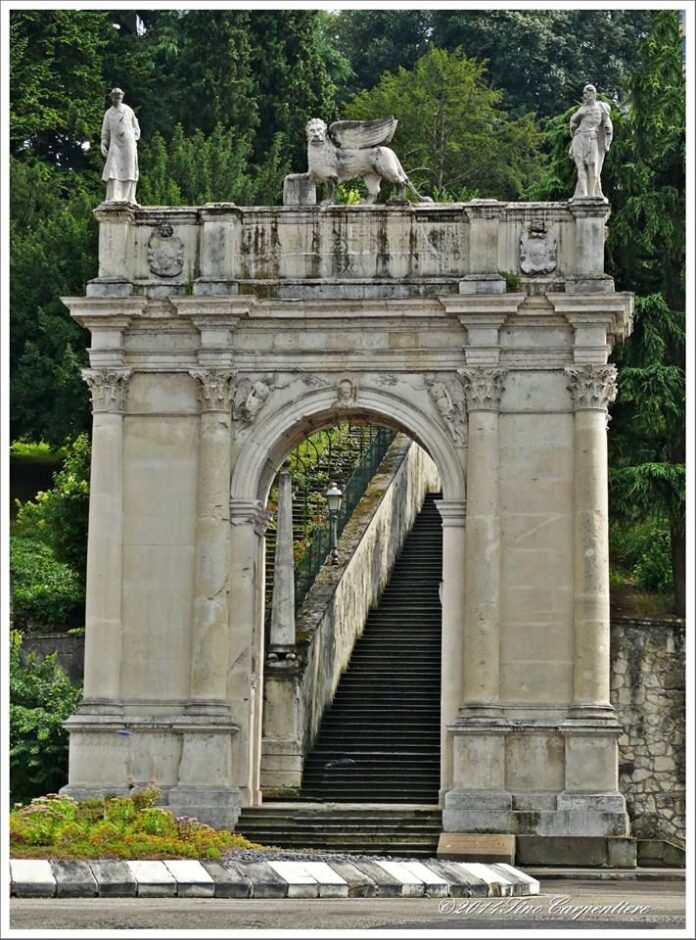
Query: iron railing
x,y
317,551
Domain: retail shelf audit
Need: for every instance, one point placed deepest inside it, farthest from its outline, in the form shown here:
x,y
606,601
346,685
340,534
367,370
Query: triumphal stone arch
x,y
221,336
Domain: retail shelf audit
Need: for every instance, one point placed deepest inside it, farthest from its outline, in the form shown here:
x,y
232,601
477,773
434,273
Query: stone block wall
x,y
70,648
648,692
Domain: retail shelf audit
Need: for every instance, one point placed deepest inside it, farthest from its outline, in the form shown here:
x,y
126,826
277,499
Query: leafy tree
x,y
543,58
292,83
538,58
59,516
377,41
56,90
453,136
53,252
41,698
46,595
644,177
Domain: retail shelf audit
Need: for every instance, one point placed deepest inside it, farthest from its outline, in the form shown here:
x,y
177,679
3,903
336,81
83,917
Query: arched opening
x,y
295,693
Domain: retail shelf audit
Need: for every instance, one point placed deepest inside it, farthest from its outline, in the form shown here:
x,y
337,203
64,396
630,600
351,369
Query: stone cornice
x,y
214,309
482,308
614,311
105,313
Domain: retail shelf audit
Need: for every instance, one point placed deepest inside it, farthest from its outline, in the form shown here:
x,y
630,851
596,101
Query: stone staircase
x,y
382,830
379,741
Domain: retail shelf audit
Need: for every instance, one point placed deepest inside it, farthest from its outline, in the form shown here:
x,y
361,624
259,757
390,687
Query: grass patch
x,y
128,827
26,452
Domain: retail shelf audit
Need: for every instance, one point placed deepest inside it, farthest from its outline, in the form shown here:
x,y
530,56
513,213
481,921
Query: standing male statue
x,y
119,135
591,130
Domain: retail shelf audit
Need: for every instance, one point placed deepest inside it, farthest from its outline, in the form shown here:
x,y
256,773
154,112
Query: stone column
x,y
283,609
592,388
103,627
453,513
209,647
249,520
480,686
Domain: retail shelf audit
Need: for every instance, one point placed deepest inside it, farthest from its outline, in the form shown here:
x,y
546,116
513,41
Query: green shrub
x,y
46,594
41,698
122,827
653,571
642,552
58,517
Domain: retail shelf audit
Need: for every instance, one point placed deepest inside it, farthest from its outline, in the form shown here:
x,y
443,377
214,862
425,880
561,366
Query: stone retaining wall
x,y
648,692
70,648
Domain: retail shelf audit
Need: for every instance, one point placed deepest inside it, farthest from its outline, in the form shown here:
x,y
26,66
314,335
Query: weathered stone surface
x,y
192,879
32,878
360,885
74,879
230,880
153,879
352,312
650,655
478,846
266,883
114,879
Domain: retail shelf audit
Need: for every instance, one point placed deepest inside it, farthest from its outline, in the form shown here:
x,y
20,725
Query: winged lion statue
x,y
350,149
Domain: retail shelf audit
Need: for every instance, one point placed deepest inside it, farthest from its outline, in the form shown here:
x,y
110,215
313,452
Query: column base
x,y
576,851
478,811
218,807
546,815
281,765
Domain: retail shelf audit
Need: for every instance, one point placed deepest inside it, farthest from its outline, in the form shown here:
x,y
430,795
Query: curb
x,y
187,878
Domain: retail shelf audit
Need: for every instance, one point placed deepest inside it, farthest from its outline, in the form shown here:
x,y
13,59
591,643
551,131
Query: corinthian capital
x,y
593,387
214,388
483,387
108,388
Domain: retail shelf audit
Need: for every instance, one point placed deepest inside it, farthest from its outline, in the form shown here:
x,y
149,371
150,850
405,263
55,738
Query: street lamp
x,y
333,498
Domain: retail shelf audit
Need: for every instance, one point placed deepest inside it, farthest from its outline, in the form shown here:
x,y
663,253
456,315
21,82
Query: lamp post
x,y
333,497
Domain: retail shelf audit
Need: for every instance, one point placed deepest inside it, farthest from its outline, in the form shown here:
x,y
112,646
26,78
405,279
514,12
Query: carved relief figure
x,y
165,252
358,151
346,392
538,250
592,131
119,136
449,401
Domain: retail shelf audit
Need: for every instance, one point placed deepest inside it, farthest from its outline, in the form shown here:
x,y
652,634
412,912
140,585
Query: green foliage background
x,y
483,99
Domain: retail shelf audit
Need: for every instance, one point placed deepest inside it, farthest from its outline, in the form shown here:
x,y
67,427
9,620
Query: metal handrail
x,y
317,551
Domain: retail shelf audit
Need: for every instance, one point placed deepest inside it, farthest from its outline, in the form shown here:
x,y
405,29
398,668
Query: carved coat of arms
x,y
538,250
165,252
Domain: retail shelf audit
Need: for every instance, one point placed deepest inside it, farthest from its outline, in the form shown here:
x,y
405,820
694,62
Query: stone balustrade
x,y
302,252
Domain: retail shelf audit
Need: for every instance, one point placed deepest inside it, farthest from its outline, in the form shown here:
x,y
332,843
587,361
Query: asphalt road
x,y
562,905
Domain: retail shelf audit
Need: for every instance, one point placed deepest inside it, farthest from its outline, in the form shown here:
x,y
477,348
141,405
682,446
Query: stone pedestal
x,y
299,190
282,756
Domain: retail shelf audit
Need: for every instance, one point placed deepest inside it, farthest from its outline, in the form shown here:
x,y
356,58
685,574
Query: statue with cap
x,y
119,136
592,131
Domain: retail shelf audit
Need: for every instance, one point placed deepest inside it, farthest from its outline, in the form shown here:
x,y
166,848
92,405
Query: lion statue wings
x,y
351,149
